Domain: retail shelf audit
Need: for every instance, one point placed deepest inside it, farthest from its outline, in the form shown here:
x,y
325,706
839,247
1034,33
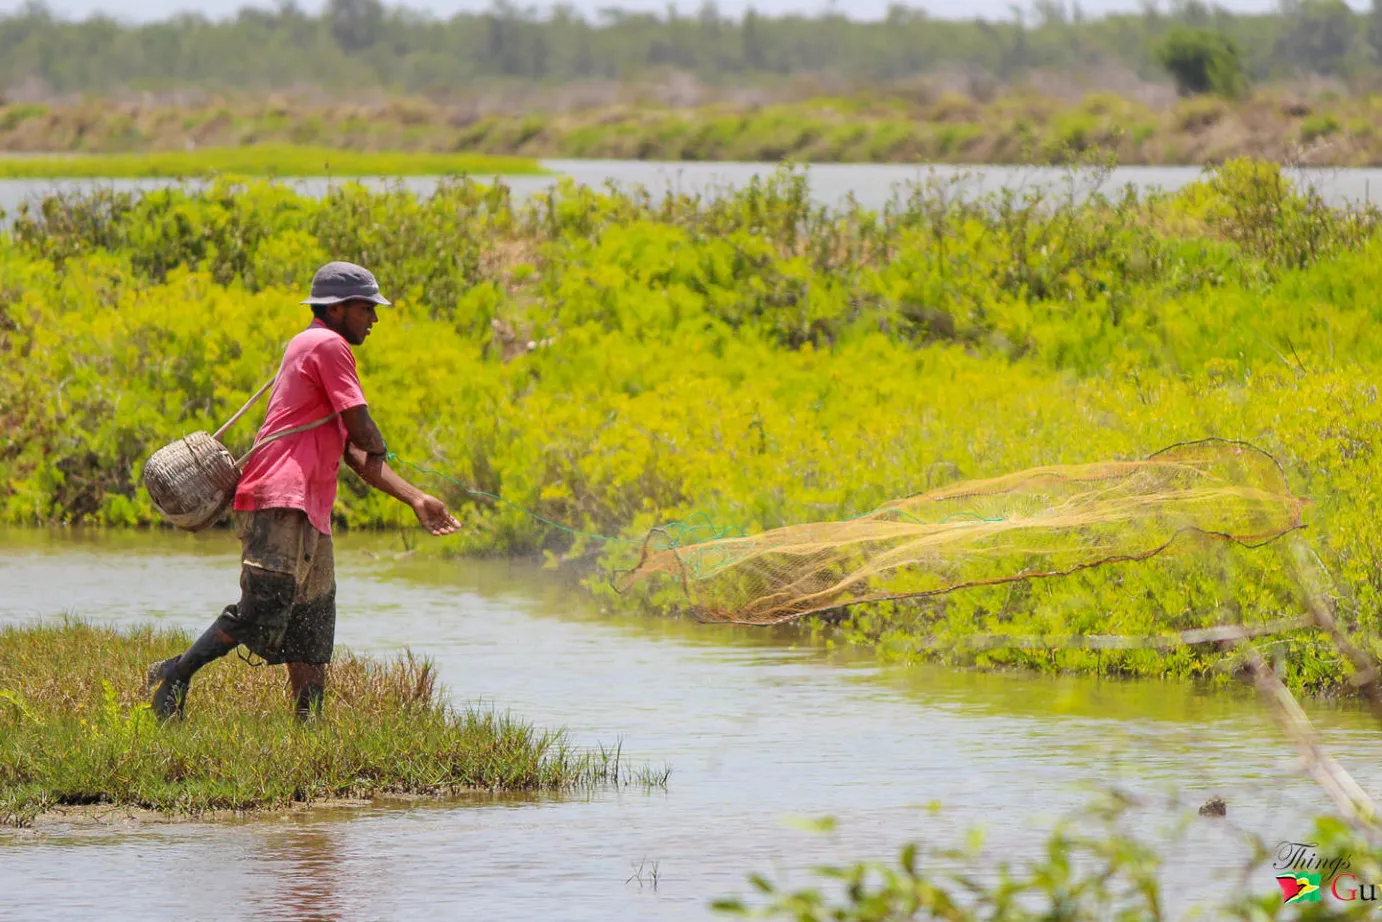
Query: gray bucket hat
x,y
341,281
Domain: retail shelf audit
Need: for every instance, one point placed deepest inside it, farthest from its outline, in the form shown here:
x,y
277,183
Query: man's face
x,y
355,319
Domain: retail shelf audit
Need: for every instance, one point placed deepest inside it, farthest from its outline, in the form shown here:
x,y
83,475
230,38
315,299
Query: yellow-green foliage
x,y
261,160
614,364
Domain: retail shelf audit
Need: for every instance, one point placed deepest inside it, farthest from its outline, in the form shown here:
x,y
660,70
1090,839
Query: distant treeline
x,y
362,44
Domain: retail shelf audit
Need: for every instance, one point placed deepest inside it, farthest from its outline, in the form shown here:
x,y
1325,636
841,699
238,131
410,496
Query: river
x,y
758,726
872,185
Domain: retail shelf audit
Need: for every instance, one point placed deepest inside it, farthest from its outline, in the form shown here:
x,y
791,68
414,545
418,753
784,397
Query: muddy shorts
x,y
287,608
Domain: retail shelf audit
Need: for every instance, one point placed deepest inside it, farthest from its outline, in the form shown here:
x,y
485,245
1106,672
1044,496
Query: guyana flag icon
x,y
1299,888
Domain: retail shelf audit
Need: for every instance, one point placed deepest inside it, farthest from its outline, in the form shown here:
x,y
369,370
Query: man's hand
x,y
433,515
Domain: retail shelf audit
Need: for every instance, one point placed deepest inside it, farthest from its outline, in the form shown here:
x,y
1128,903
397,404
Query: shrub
x,y
1319,126
1203,61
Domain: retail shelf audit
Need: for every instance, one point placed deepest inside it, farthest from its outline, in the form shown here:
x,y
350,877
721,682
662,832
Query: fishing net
x,y
1041,522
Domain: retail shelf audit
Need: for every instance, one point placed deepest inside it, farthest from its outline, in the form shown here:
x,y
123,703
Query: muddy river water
x,y
759,728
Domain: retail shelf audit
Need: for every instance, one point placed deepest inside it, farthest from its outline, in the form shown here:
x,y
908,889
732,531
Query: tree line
x,y
363,44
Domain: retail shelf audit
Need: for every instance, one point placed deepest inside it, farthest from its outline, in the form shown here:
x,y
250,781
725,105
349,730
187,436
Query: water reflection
x,y
308,868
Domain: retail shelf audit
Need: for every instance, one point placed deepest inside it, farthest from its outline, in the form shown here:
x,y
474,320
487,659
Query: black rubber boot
x,y
309,702
169,691
169,680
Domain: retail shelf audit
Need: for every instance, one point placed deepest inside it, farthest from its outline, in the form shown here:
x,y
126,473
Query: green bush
x,y
1203,61
1319,126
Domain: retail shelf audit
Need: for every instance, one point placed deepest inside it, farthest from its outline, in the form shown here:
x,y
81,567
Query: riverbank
x,y
1017,128
613,364
267,160
77,732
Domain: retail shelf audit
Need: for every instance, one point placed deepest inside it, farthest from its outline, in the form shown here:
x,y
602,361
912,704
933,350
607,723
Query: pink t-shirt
x,y
298,471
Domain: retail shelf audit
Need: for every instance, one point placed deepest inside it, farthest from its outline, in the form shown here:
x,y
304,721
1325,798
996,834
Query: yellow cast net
x,y
1041,522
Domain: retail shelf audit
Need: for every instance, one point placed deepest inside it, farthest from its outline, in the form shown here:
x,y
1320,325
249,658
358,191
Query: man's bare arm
x,y
375,471
365,454
363,433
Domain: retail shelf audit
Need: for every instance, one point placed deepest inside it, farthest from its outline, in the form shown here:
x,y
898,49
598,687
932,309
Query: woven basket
x,y
192,481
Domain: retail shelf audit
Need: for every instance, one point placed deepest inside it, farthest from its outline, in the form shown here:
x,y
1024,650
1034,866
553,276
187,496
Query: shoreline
x,y
114,817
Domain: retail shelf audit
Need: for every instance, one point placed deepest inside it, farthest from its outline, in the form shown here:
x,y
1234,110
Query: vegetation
x,y
926,124
613,362
1089,871
356,45
267,160
1202,61
77,729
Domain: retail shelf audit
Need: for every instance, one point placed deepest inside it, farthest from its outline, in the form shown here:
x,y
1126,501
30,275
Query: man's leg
x,y
171,678
271,554
310,638
308,681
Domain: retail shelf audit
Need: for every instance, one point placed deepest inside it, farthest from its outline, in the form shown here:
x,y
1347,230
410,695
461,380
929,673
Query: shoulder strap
x,y
277,435
241,412
239,465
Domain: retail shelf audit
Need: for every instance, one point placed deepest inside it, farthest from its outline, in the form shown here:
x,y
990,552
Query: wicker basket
x,y
192,481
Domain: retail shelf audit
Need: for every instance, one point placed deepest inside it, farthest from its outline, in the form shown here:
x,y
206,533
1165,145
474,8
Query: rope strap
x,y
241,412
239,465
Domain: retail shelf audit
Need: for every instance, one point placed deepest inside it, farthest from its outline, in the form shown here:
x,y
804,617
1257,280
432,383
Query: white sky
x,y
145,10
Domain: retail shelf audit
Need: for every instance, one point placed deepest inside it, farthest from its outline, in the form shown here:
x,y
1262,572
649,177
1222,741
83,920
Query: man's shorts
x,y
287,609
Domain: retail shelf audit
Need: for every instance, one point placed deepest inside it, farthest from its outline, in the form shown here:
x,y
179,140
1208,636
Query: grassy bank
x,y
615,363
1019,127
266,160
75,729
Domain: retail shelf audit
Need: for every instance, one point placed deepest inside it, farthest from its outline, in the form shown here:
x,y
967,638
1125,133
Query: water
x,y
870,184
758,727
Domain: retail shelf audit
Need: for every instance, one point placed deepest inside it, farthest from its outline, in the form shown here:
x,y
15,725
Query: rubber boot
x,y
169,680
308,705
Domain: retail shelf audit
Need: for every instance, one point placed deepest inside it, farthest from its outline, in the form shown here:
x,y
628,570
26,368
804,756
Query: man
x,y
287,608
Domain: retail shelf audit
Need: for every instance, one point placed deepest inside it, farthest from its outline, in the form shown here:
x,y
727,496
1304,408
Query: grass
x,y
262,160
75,729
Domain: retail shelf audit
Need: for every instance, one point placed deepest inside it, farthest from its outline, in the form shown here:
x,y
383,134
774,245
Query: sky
x,y
146,10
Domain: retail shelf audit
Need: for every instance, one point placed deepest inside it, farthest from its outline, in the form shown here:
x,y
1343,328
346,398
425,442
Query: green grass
x,y
75,729
263,160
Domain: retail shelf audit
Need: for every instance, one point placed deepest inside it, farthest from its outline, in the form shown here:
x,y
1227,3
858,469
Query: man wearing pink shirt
x,y
287,608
